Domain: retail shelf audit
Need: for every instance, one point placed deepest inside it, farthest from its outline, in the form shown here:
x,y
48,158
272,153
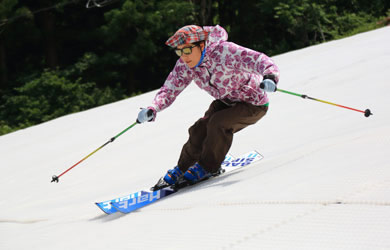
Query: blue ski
x,y
142,200
106,207
132,202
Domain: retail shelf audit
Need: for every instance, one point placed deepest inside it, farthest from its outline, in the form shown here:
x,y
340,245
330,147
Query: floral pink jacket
x,y
228,71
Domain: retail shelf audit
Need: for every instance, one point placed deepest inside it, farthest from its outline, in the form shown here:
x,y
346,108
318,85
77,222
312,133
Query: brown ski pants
x,y
211,136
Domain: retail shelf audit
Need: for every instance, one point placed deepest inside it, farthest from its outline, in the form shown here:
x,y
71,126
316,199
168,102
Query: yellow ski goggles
x,y
185,51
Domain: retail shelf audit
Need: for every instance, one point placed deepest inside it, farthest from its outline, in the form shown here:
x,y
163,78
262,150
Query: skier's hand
x,y
145,115
268,85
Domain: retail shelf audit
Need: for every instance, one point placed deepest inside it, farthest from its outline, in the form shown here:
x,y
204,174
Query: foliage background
x,y
57,57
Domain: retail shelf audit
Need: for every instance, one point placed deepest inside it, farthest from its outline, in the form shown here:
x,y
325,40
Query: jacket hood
x,y
216,34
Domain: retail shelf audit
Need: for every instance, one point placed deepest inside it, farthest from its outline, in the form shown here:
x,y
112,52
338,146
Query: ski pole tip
x,y
55,178
367,113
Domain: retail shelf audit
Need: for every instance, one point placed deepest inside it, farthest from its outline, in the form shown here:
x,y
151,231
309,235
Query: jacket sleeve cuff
x,y
154,112
271,77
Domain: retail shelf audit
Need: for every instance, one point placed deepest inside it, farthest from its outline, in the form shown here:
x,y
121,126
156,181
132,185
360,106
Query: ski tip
x,y
106,208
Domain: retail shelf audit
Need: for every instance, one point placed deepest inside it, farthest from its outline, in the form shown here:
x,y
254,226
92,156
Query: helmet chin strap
x,y
201,58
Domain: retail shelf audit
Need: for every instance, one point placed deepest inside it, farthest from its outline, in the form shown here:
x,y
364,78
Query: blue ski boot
x,y
196,173
173,175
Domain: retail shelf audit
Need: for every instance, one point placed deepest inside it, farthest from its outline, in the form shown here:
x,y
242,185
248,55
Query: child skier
x,y
238,78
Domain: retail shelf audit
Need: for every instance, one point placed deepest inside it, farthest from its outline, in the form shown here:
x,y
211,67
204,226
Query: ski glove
x,y
145,115
268,85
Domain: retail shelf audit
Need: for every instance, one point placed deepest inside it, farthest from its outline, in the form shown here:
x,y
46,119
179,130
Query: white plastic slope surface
x,y
324,182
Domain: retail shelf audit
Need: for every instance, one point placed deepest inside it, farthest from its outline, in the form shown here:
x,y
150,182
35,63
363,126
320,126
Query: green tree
x,y
134,37
50,96
304,22
8,12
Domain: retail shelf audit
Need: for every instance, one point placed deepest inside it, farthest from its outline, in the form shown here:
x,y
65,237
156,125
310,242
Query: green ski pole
x,y
55,178
366,112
